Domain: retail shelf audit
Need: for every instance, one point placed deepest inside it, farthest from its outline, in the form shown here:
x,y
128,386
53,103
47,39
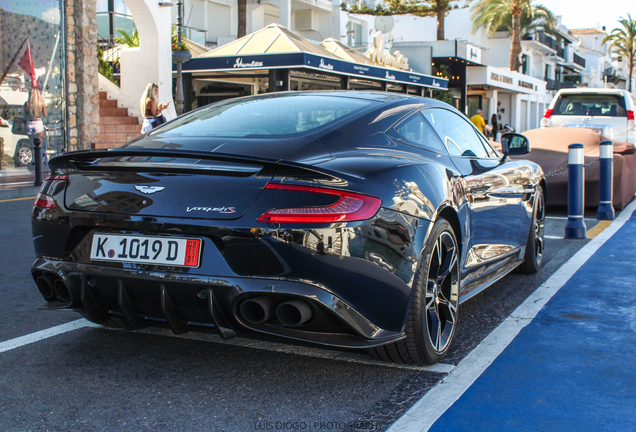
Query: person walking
x,y
478,120
494,125
35,111
152,111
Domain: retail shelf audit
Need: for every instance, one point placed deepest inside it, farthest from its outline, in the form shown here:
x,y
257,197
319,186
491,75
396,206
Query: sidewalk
x,y
18,183
572,368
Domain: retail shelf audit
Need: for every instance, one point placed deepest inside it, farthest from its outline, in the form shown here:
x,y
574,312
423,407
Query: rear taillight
x,y
44,201
630,115
548,113
350,207
57,177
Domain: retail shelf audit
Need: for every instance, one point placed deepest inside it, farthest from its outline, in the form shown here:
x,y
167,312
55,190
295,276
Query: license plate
x,y
182,252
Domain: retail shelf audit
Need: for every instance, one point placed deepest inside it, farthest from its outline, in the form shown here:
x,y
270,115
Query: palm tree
x,y
519,17
624,42
439,8
242,18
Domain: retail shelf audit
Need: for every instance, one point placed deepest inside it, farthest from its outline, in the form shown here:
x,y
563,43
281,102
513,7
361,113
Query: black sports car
x,y
349,219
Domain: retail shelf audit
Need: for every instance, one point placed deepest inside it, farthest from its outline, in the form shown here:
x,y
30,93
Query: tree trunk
x,y
242,18
631,72
441,12
515,43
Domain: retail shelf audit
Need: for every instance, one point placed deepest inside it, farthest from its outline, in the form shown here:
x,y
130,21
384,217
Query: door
x,y
492,190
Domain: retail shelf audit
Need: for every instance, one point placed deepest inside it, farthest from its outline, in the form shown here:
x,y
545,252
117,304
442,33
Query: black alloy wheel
x,y
535,246
433,317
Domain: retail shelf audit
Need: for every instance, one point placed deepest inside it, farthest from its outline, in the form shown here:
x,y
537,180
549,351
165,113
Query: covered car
x,y
550,150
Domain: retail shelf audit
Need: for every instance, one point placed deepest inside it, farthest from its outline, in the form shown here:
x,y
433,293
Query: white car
x,y
607,111
16,147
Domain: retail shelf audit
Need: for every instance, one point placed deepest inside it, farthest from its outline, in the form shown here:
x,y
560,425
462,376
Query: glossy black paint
x,y
357,277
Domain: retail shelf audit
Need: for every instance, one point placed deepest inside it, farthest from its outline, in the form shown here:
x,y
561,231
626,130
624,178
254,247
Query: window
x,y
585,104
415,130
458,134
275,115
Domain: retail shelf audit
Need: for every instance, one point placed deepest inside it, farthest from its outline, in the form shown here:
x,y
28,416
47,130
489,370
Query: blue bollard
x,y
605,182
37,158
575,226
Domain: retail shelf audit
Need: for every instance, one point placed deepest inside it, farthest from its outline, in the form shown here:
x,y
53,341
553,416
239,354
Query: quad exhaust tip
x,y
293,313
62,291
257,310
53,288
45,286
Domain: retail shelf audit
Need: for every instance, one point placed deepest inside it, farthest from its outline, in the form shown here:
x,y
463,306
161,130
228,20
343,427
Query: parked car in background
x,y
609,112
17,145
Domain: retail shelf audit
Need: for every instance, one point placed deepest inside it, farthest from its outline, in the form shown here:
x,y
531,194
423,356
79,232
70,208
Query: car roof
x,y
593,90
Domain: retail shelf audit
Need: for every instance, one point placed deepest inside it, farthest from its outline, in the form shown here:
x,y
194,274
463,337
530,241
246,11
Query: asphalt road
x,y
99,379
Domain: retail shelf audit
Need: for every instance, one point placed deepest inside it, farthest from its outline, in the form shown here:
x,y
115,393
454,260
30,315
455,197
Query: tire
x,y
23,154
535,246
433,316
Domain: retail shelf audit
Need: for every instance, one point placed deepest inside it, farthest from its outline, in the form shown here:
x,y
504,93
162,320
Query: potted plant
x,y
180,51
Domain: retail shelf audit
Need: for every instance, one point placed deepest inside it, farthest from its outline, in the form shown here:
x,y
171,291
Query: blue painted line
x,y
573,368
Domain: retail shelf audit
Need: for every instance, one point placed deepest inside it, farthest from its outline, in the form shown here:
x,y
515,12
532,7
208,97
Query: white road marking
x,y
553,237
566,218
435,402
44,334
294,349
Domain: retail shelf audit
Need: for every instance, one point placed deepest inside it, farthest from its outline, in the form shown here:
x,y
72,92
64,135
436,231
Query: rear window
x,y
590,104
274,115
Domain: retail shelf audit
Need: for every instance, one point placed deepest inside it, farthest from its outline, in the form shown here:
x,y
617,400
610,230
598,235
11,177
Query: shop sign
x,y
389,76
473,53
327,66
380,56
239,64
526,85
501,78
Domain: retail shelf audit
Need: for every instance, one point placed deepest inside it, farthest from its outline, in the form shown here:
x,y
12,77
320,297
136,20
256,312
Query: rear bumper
x,y
186,302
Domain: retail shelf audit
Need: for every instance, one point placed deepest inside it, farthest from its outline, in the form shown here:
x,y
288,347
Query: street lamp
x,y
179,96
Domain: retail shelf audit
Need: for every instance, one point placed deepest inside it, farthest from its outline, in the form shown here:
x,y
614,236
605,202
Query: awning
x,y
275,47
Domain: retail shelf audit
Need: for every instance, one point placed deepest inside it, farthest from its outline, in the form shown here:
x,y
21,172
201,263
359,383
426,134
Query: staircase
x,y
116,127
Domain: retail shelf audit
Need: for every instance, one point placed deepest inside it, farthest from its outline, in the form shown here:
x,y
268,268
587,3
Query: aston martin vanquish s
x,y
347,219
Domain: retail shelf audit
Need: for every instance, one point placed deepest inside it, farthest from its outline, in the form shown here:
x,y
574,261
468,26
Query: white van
x,y
607,111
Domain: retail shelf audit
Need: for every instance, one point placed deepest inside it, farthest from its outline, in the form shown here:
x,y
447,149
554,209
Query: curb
x,y
19,193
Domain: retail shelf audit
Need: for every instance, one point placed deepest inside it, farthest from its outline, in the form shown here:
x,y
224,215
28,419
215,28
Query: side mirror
x,y
513,144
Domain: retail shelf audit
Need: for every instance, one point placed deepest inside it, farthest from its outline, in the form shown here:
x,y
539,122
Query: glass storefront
x,y
39,22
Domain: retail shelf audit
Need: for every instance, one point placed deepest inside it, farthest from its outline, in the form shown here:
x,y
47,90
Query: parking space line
x,y
44,334
17,199
444,368
593,232
421,416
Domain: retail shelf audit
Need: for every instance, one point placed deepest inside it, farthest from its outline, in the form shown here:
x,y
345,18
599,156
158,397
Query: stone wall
x,y
82,82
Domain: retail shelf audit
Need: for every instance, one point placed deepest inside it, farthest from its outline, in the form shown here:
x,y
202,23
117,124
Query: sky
x,y
589,13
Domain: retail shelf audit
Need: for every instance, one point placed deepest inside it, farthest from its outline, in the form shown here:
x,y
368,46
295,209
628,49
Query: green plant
x,y
176,46
131,40
104,67
624,43
444,96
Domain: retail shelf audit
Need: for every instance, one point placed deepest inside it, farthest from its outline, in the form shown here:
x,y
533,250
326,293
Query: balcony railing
x,y
578,60
557,85
544,39
561,53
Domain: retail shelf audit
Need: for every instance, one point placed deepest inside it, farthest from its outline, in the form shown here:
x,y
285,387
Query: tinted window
x,y
458,133
265,116
416,130
590,104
